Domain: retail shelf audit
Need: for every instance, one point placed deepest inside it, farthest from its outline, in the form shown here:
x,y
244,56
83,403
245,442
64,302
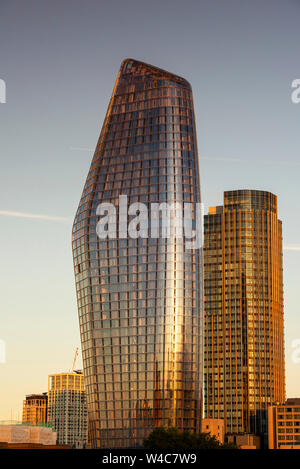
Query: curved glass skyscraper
x,y
140,297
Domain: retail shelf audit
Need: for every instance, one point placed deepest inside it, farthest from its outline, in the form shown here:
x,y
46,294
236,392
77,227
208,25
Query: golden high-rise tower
x,y
243,307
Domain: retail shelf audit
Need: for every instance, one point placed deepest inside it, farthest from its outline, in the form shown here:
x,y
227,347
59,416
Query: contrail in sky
x,y
8,213
232,160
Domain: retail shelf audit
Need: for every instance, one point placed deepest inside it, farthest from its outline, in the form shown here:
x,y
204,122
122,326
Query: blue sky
x,y
59,60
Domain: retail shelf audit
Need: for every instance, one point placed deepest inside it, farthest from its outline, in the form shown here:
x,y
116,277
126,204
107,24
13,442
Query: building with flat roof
x,y
67,410
35,409
215,427
244,368
284,425
27,434
244,440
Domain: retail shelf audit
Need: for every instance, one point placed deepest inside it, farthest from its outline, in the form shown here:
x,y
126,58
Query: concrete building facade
x,y
67,410
284,425
26,434
35,409
215,427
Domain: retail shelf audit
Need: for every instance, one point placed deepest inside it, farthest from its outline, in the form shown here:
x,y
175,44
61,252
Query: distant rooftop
x,y
24,424
136,68
37,396
293,401
246,199
10,422
74,372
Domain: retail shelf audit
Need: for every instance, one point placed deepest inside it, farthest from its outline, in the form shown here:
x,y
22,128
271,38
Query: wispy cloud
x,y
264,161
234,160
8,213
291,247
239,160
82,149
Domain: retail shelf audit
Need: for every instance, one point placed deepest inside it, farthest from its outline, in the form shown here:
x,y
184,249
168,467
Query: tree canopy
x,y
172,438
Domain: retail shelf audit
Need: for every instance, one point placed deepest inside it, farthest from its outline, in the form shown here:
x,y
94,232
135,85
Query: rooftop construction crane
x,y
75,358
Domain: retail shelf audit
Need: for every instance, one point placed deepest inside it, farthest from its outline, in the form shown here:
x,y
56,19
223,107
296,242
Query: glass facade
x,y
243,309
139,300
